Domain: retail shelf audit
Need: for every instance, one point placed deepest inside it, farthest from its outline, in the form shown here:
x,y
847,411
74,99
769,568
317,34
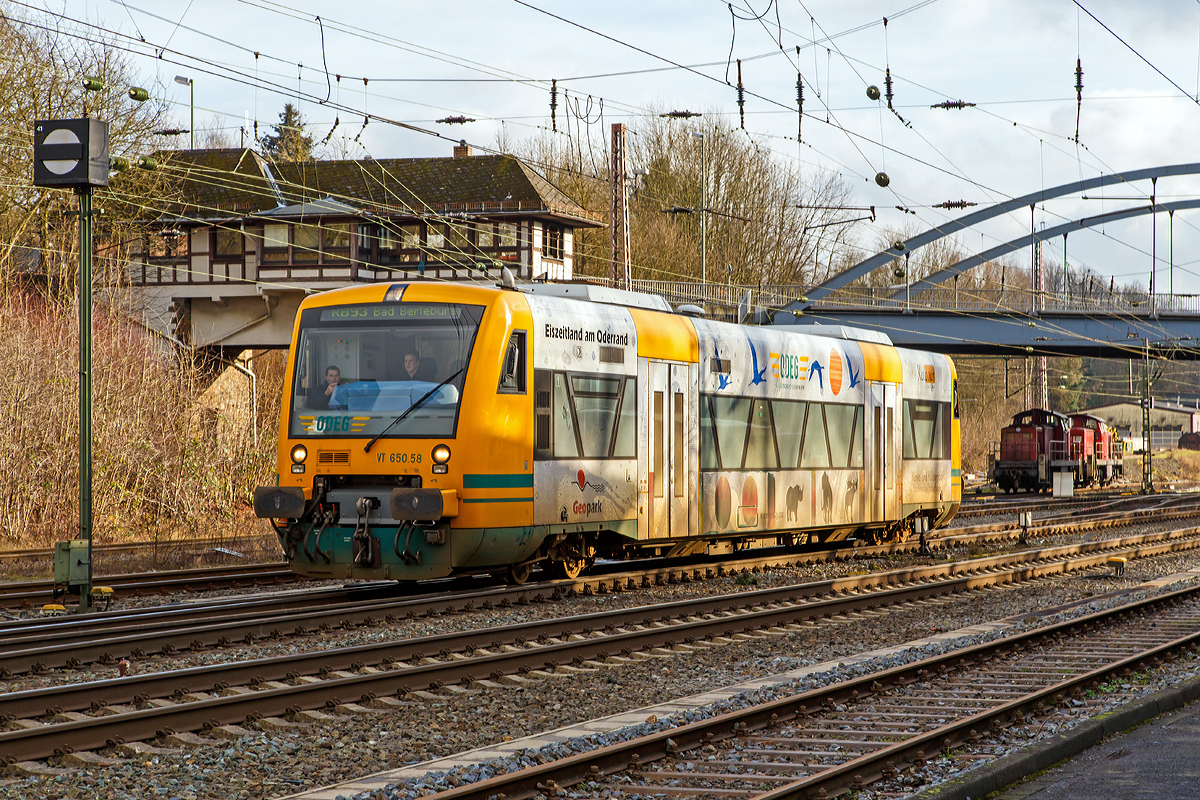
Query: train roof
x,y
598,294
843,332
1042,416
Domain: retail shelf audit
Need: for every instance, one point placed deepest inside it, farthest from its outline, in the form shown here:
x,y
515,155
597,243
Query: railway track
x,y
848,735
108,713
1107,499
41,644
33,594
27,594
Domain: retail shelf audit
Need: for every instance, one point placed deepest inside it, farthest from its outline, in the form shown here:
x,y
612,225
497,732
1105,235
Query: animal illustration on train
x,y
549,425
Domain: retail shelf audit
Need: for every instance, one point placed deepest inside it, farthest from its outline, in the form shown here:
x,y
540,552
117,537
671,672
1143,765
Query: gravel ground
x,y
282,762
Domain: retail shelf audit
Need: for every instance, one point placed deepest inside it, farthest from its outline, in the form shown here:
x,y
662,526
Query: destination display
x,y
390,311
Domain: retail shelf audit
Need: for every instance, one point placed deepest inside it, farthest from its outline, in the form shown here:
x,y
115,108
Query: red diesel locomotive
x,y
1026,447
1040,443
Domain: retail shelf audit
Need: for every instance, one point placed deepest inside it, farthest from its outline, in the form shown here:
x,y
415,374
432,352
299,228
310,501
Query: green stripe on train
x,y
498,500
512,480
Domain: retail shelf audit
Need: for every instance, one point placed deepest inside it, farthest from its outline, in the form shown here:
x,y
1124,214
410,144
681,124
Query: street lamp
x,y
703,205
188,82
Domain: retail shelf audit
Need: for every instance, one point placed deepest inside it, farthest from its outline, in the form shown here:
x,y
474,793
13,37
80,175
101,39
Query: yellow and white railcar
x,y
551,424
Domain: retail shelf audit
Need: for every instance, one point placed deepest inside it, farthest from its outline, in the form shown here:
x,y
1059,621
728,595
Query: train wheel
x,y
517,574
569,568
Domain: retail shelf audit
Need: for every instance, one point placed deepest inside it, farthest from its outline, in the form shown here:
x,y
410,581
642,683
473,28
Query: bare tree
x,y
40,78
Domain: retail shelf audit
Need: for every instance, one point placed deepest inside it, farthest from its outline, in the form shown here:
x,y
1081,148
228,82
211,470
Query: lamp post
x,y
703,205
188,82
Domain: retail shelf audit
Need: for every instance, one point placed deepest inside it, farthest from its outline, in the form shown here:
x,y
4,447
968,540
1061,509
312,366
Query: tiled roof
x,y
221,183
218,184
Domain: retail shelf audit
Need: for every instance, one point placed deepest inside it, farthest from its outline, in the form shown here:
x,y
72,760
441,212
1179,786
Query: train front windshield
x,y
359,367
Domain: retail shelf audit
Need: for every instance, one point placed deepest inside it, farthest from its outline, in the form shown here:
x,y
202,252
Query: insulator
x,y
949,104
1079,79
873,92
906,210
329,135
554,104
741,96
950,204
799,103
459,120
887,82
882,179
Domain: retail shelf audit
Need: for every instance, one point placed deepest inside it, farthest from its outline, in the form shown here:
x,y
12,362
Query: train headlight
x,y
440,455
299,453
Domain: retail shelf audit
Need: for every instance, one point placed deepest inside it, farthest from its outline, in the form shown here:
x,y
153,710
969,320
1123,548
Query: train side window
x,y
816,443
926,429
909,445
731,415
565,445
760,444
595,399
935,450
542,388
789,430
840,421
625,442
512,371
709,457
946,434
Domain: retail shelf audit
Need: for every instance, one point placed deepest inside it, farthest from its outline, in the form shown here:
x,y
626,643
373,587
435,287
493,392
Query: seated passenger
x,y
319,396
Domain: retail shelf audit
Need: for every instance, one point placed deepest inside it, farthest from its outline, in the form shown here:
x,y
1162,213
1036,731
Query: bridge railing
x,y
1018,301
725,298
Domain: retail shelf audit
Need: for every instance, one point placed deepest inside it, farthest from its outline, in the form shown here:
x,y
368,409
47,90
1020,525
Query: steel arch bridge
x,y
1012,321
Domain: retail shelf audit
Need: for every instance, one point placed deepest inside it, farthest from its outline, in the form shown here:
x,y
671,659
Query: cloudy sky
x,y
619,61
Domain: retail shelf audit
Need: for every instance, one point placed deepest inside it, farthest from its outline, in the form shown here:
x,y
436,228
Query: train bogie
x,y
431,430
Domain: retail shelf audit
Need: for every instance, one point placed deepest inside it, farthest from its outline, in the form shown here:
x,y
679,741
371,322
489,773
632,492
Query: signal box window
x,y
552,244
227,243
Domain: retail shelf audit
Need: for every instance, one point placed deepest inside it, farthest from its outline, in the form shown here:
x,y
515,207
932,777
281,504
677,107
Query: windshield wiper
x,y
411,409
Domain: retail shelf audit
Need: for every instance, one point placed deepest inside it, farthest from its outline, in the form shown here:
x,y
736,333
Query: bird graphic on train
x,y
852,373
759,374
816,367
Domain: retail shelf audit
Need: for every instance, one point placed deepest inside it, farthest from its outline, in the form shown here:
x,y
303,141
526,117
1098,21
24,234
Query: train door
x,y
884,423
667,449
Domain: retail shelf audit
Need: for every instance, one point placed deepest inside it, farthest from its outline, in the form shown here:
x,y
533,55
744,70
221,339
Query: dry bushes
x,y
161,467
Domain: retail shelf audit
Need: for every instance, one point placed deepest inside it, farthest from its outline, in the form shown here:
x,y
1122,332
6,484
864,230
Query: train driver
x,y
320,396
412,363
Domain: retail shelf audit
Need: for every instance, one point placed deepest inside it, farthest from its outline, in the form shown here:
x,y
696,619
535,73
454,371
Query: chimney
x,y
462,149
